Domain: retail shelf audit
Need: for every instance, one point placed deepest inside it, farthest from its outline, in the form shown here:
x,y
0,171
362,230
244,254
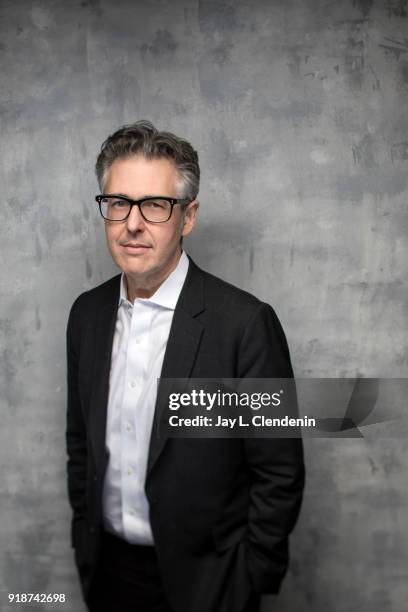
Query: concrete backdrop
x,y
299,112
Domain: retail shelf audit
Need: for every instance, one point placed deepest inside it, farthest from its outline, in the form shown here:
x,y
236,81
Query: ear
x,y
190,217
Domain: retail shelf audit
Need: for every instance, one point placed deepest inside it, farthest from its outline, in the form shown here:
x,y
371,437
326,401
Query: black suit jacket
x,y
221,509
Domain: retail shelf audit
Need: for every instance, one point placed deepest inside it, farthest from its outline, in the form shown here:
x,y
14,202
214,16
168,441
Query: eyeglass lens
x,y
154,209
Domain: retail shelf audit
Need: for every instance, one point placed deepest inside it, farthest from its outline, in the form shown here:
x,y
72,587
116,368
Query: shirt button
x,y
132,384
130,471
129,427
137,341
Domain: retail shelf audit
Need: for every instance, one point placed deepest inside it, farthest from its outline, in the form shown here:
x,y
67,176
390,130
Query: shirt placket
x,y
135,378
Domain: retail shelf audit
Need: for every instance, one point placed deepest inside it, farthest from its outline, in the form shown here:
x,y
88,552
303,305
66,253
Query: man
x,y
160,525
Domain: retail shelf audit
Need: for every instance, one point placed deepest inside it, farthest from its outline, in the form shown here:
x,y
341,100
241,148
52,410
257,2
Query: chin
x,y
133,264
136,269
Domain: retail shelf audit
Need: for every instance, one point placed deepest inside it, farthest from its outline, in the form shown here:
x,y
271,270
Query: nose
x,y
135,221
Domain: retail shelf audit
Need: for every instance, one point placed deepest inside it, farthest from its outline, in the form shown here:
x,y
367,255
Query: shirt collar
x,y
168,292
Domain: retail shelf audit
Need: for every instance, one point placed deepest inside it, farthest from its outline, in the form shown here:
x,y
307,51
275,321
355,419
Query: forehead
x,y
137,176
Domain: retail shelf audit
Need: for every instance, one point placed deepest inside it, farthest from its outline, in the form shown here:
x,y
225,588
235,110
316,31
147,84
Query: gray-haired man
x,y
182,525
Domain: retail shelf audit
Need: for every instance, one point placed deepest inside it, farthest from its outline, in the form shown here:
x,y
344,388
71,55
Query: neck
x,y
137,287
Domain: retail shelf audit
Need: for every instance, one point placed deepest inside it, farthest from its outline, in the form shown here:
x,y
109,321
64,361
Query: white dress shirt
x,y
140,339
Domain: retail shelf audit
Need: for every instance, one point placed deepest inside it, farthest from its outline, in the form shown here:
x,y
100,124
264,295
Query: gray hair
x,y
142,138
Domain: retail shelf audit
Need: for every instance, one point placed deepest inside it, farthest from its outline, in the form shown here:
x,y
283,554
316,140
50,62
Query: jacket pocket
x,y
223,540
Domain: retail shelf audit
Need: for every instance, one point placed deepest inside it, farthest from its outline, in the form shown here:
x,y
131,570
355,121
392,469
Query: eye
x,y
115,203
155,204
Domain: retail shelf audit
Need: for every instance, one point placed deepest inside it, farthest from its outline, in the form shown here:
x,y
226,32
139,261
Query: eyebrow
x,y
148,195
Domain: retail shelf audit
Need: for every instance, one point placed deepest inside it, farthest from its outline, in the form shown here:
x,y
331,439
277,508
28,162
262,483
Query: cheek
x,y
111,237
169,237
108,235
178,229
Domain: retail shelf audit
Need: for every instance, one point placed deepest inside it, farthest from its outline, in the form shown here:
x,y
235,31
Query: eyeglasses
x,y
153,209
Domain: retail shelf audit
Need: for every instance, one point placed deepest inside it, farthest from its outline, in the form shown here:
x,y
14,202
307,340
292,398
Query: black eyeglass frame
x,y
138,203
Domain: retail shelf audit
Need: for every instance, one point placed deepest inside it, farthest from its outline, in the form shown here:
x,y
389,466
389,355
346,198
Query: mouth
x,y
135,247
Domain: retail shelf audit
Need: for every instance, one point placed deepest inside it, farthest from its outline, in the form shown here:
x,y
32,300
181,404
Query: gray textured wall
x,y
299,112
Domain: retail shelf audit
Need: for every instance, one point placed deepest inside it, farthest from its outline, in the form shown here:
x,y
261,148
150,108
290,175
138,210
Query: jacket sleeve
x,y
75,426
276,464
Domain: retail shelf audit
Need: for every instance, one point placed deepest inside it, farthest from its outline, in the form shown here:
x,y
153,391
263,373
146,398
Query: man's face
x,y
146,252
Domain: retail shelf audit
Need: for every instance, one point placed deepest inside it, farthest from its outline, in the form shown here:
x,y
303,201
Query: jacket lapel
x,y
104,332
182,346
